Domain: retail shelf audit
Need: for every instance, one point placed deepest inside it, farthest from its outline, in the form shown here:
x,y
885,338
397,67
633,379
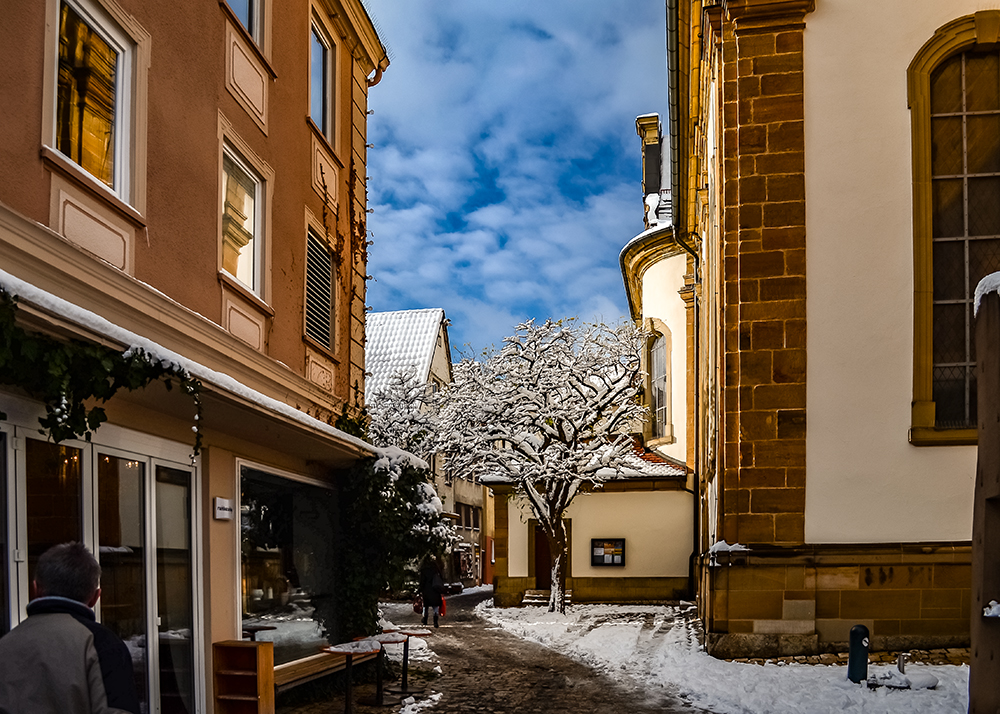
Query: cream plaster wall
x,y
865,482
660,284
656,526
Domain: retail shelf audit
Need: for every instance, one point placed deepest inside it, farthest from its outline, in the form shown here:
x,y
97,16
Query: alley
x,y
484,669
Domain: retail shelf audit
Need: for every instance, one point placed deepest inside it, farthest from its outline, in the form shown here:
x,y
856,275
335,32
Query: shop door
x,y
135,514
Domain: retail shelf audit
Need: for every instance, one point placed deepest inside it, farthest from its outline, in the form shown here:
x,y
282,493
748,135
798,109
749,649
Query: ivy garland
x,y
65,375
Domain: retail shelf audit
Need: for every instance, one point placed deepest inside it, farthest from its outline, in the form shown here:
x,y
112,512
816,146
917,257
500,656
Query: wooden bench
x,y
247,681
292,674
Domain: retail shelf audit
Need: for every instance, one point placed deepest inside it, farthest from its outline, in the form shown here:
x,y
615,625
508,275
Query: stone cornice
x,y
637,257
756,13
43,258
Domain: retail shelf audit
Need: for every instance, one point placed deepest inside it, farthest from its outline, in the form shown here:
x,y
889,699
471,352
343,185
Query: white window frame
x,y
113,441
102,24
259,236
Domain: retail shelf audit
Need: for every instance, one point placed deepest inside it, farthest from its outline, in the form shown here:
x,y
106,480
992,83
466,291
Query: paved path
x,y
478,668
485,669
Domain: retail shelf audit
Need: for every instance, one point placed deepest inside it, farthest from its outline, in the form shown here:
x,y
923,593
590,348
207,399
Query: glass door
x,y
54,497
121,535
174,590
5,542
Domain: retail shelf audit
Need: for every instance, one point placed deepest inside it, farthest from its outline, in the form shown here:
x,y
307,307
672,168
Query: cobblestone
x,y
487,670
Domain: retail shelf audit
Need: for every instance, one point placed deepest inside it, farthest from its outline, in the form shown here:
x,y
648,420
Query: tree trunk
x,y
556,534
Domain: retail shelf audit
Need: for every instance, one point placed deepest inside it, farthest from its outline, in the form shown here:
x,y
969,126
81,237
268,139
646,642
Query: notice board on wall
x,y
607,551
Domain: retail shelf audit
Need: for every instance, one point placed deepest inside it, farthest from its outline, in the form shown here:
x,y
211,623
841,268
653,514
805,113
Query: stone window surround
x,y
110,17
322,23
964,33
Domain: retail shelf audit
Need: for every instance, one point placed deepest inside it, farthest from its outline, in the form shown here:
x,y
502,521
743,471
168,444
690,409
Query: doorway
x,y
135,512
540,556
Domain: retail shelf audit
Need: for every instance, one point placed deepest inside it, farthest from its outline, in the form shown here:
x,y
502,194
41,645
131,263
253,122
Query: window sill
x,y
56,161
248,38
930,436
325,351
324,140
245,292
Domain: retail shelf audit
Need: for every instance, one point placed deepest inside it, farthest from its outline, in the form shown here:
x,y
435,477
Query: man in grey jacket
x,y
61,660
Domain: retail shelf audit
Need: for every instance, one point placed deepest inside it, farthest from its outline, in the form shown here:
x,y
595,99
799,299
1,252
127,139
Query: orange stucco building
x,y
189,177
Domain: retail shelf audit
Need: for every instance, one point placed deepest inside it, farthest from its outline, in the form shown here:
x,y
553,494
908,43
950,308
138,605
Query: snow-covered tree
x,y
553,409
397,415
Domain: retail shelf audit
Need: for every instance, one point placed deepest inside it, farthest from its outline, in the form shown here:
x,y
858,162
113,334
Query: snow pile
x,y
658,647
993,610
412,706
724,547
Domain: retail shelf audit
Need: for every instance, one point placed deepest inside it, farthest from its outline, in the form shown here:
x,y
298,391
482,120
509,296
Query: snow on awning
x,y
235,390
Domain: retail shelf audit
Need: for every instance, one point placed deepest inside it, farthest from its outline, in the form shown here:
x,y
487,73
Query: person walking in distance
x,y
60,660
431,587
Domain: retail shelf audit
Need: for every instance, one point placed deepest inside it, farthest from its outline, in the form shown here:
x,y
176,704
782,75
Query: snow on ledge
x,y
89,320
724,547
989,284
993,610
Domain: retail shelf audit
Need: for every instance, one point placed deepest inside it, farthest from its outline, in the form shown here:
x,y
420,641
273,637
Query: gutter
x,y
673,111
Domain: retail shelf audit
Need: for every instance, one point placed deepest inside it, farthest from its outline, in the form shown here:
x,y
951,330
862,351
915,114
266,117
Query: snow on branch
x,y
553,407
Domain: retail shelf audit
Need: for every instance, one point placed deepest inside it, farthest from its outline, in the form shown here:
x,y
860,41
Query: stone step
x,y
541,597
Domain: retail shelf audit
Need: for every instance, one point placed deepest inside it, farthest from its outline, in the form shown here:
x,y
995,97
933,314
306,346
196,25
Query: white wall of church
x,y
865,482
660,284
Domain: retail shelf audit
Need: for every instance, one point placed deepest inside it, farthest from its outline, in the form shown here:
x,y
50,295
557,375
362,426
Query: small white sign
x,y
223,509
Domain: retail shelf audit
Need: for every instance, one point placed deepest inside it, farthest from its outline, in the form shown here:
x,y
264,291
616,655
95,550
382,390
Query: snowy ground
x,y
658,646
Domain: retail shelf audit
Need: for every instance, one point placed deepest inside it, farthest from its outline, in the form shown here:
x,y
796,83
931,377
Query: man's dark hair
x,y
68,570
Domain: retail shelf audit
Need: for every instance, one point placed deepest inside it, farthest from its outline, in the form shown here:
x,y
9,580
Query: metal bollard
x,y
857,662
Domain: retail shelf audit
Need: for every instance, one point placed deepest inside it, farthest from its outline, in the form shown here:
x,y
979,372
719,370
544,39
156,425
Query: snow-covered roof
x,y
639,464
397,341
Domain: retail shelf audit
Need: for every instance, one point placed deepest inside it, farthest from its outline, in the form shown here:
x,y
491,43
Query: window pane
x,y
946,86
54,497
244,11
984,206
949,333
85,101
121,535
983,136
4,545
658,385
948,205
287,551
239,238
174,590
982,83
949,270
946,146
950,396
317,82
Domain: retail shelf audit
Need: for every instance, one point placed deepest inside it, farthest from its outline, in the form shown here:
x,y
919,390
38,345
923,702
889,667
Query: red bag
x,y
418,605
444,607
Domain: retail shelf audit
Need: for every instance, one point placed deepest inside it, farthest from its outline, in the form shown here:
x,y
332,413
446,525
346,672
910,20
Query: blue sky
x,y
505,176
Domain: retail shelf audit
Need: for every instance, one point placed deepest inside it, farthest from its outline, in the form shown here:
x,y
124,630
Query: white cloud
x,y
505,177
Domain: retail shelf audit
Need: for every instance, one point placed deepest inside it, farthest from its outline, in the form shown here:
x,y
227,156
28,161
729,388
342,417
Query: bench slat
x,y
307,669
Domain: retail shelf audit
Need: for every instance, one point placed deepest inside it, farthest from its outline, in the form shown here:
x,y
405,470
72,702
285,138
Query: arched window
x,y
955,113
659,389
658,346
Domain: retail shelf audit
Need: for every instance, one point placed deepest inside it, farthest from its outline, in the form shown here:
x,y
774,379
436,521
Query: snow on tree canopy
x,y
553,409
